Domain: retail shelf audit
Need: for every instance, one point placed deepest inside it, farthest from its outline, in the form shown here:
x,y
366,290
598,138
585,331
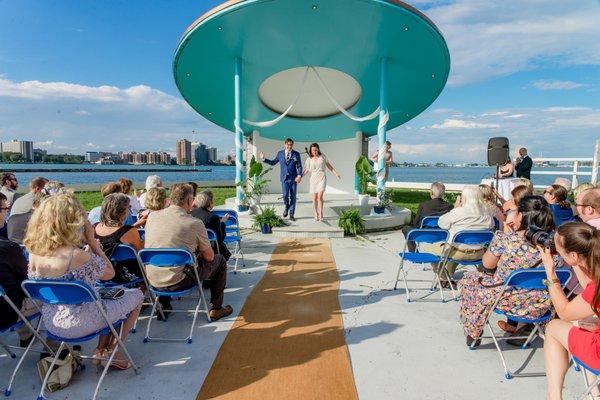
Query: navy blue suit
x,y
289,171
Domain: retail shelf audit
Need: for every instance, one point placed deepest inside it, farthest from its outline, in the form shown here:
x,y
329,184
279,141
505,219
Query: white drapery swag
x,y
266,124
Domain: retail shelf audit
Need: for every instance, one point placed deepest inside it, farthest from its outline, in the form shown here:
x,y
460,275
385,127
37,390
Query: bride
x,y
315,165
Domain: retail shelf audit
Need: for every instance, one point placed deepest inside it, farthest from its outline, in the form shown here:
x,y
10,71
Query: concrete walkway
x,y
398,350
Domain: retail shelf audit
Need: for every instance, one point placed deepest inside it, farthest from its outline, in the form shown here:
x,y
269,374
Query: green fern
x,y
352,222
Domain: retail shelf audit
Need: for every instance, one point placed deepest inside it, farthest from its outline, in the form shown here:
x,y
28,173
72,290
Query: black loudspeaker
x,y
498,152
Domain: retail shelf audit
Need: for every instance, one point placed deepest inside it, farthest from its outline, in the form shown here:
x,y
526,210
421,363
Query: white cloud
x,y
462,124
545,84
62,116
497,38
494,113
514,116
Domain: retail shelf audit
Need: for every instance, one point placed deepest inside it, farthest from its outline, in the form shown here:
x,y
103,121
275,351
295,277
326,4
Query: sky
x,y
83,75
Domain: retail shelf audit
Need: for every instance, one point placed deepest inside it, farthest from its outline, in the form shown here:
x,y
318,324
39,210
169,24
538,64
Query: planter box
x,y
379,210
264,228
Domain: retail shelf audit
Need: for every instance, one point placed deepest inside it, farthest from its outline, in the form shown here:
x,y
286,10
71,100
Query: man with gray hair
x,y
436,206
204,204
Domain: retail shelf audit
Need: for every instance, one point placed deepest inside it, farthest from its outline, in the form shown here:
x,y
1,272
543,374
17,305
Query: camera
x,y
538,237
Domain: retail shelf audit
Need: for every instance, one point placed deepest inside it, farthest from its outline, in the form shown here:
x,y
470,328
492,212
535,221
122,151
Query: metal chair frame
x,y
144,256
470,237
133,254
440,235
22,320
430,222
90,297
232,229
588,387
539,274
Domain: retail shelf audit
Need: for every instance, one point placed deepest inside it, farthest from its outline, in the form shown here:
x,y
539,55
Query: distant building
x,y
92,156
201,155
164,157
184,151
138,158
211,154
24,147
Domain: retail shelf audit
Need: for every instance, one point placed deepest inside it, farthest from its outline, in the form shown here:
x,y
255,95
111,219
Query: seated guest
x,y
17,224
516,195
9,187
469,213
564,182
574,332
174,227
152,181
556,196
506,253
13,271
489,199
110,188
588,207
25,203
112,231
576,192
4,208
194,186
156,199
205,204
134,203
56,232
434,207
54,187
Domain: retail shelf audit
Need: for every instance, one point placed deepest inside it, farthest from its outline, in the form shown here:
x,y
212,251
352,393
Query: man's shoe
x,y
220,313
285,213
292,218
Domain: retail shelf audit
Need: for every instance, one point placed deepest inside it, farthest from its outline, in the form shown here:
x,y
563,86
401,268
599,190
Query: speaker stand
x,y
497,184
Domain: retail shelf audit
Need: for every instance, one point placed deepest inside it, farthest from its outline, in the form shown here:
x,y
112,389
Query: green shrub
x,y
352,222
268,217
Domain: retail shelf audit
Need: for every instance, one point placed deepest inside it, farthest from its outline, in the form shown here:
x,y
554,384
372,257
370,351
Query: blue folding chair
x,y
588,387
562,215
57,292
497,224
22,320
528,279
169,258
124,252
212,237
430,222
480,238
25,252
142,233
420,236
233,235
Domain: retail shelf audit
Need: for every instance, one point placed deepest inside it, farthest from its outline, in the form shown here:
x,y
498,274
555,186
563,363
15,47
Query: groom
x,y
290,175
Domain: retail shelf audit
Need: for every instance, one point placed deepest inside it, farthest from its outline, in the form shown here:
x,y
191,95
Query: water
x,y
227,173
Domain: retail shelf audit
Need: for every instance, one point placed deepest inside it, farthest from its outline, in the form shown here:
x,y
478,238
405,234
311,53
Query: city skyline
x,y
534,79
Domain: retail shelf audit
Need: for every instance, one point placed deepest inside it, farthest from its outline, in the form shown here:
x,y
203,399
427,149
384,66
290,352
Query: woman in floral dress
x,y
506,253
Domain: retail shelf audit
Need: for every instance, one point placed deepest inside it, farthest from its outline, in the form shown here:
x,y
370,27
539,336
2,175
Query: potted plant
x,y
255,185
365,175
384,200
266,219
352,222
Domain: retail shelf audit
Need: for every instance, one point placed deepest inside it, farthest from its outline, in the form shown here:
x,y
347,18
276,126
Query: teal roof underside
x,y
274,35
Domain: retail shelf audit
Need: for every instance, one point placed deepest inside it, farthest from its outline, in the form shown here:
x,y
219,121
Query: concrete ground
x,y
399,350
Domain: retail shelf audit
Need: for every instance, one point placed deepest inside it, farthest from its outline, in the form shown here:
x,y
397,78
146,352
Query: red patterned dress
x,y
477,300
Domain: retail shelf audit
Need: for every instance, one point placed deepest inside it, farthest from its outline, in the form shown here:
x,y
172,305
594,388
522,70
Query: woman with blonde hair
x,y
55,235
156,199
469,213
489,200
152,181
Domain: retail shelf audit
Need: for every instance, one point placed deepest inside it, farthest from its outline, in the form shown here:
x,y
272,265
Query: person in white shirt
x,y
152,181
469,213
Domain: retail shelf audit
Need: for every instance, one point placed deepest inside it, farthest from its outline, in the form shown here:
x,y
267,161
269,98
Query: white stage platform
x,y
306,226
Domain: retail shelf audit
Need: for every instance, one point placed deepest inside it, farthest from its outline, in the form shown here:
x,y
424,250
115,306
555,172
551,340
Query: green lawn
x,y
94,199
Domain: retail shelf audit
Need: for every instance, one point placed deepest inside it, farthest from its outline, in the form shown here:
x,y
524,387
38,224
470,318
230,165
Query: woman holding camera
x,y
579,245
506,253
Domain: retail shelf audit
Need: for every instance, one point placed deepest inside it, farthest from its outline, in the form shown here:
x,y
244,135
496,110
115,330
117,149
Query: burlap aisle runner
x,y
288,341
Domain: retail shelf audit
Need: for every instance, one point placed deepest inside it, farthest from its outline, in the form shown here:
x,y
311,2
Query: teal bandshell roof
x,y
274,35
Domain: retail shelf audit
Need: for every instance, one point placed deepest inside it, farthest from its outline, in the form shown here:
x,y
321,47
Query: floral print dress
x,y
477,300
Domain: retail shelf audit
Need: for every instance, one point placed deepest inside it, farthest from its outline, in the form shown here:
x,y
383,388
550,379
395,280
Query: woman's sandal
x,y
507,328
118,364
